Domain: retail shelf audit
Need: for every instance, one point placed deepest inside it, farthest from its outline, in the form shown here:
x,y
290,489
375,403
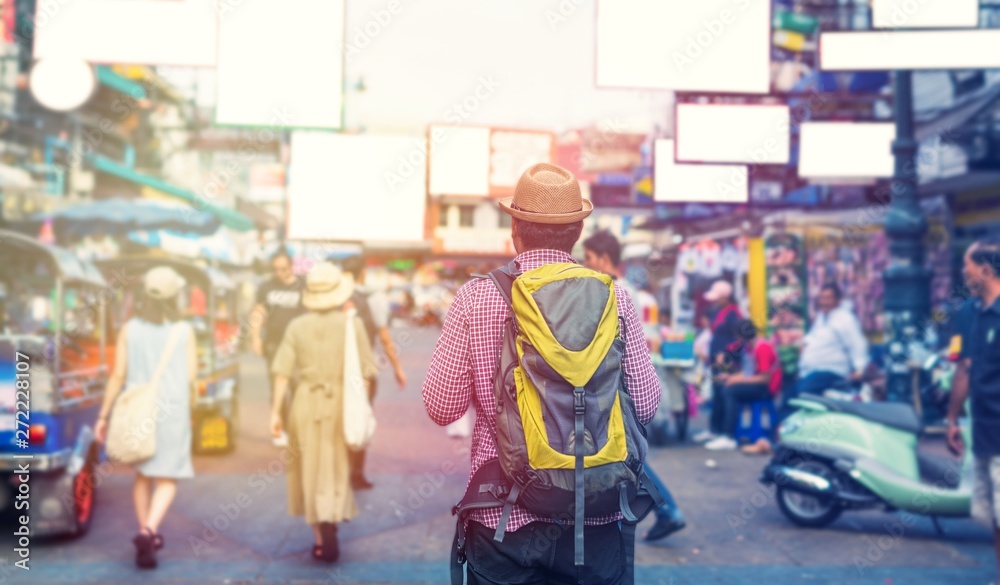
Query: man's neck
x,y
991,292
290,280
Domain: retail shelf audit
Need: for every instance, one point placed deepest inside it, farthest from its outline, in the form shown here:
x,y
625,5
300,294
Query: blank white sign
x,y
148,32
925,49
690,183
460,160
732,133
925,13
848,150
709,45
281,64
364,188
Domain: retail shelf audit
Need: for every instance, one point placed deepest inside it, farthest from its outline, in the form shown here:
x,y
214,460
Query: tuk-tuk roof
x,y
63,263
202,276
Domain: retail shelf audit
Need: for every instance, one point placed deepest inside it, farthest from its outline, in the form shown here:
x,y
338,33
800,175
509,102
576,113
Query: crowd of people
x,y
316,332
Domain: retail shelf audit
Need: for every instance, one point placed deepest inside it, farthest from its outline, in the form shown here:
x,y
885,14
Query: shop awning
x,y
107,76
230,218
958,115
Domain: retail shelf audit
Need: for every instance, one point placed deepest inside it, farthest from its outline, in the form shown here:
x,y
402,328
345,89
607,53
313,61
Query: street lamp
x,y
907,279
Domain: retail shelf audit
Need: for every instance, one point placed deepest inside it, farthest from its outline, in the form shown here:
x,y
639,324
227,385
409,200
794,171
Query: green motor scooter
x,y
836,455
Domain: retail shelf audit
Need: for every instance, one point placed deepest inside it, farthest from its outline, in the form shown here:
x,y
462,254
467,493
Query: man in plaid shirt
x,y
547,211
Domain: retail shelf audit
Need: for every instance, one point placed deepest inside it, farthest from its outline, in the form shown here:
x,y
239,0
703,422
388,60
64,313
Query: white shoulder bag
x,y
359,418
132,429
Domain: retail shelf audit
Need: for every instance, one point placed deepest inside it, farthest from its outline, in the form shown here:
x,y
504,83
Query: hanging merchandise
x,y
701,263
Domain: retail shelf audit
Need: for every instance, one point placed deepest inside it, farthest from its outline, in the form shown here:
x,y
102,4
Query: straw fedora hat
x,y
327,287
546,193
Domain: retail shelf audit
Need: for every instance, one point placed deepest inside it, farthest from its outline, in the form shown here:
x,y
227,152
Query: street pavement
x,y
229,524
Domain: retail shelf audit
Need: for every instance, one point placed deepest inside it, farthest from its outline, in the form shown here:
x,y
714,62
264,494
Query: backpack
x,y
559,376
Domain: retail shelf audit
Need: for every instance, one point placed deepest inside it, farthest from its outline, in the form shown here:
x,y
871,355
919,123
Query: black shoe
x,y
663,528
145,551
360,482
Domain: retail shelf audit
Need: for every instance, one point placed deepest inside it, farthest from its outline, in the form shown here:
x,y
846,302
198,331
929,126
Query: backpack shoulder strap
x,y
504,278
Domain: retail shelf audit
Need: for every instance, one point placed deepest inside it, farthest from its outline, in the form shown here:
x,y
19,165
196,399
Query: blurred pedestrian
x,y
602,252
547,212
759,378
978,377
725,317
279,300
835,350
155,345
373,309
319,486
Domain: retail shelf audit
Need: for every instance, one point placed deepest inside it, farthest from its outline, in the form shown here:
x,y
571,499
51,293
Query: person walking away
x,y
318,478
373,309
834,349
279,300
155,341
547,212
725,317
759,378
602,252
978,378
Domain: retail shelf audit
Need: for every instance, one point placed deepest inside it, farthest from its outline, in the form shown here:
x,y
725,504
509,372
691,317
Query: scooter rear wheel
x,y
808,510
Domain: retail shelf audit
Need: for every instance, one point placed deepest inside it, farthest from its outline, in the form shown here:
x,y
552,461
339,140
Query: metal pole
x,y
907,280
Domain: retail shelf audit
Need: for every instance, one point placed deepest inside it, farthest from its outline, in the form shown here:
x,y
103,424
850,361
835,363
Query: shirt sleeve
x,y
449,384
640,376
284,360
857,345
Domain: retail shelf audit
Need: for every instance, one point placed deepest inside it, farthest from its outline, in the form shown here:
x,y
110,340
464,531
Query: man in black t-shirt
x,y
279,300
978,377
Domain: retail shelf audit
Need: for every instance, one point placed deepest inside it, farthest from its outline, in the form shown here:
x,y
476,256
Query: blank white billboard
x,y
849,150
925,13
733,133
281,64
147,32
675,182
366,188
460,160
924,49
709,45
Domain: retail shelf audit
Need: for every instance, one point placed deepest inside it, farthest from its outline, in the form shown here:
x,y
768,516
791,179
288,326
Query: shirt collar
x,y
533,259
995,307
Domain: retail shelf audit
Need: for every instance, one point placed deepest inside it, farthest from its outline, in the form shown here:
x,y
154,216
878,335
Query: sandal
x,y
145,551
331,550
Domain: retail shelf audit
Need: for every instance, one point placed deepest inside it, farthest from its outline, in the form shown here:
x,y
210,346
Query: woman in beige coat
x,y
319,472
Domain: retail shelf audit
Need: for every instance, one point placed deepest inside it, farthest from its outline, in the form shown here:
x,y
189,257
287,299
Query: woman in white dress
x,y
142,342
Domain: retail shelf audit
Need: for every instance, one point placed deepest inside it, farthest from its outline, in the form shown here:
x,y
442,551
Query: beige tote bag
x,y
359,419
132,429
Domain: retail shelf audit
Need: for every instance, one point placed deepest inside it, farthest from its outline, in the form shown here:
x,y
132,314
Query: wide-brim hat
x,y
547,193
327,287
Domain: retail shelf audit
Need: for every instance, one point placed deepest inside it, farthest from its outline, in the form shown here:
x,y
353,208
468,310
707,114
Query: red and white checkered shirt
x,y
465,360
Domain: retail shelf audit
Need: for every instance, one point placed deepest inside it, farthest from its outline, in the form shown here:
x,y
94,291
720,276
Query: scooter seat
x,y
898,416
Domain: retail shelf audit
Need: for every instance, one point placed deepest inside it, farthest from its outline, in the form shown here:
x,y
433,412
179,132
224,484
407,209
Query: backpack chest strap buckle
x,y
579,401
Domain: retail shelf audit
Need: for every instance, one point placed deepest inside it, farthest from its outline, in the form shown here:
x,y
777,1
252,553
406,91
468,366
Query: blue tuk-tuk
x,y
53,333
208,300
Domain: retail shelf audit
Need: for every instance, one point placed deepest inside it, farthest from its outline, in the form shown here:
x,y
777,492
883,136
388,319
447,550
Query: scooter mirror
x,y
932,362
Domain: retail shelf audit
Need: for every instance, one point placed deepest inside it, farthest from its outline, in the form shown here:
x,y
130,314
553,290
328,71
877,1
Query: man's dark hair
x,y
832,287
543,236
156,311
601,243
354,265
747,330
986,252
281,253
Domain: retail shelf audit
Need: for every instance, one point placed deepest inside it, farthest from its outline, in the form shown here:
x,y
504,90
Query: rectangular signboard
x,y
732,133
367,188
923,49
459,161
675,182
146,32
846,150
281,64
925,13
709,46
